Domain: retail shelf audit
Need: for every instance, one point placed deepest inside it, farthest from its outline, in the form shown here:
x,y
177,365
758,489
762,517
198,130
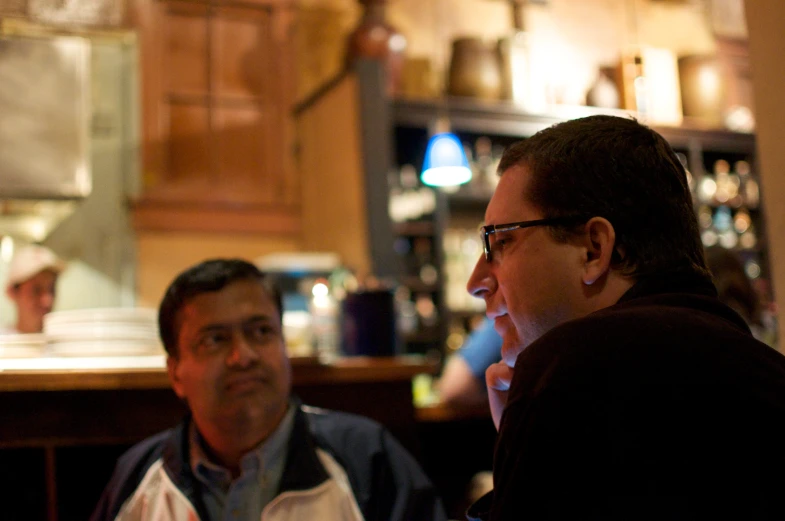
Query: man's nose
x,y
243,352
481,282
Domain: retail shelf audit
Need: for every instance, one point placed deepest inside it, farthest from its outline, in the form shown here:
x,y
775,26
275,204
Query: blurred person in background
x,y
249,450
462,382
735,289
462,386
32,286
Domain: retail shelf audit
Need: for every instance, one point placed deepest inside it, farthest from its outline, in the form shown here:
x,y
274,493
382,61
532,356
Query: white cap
x,y
31,260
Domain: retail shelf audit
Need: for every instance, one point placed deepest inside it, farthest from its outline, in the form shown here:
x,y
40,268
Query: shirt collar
x,y
270,454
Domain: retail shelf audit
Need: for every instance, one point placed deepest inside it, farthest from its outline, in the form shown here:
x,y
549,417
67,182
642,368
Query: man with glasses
x,y
626,390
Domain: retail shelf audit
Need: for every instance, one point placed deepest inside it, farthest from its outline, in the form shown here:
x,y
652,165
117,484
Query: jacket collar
x,y
676,281
302,469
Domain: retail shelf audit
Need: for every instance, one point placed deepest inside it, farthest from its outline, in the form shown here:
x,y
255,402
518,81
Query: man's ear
x,y
172,365
600,243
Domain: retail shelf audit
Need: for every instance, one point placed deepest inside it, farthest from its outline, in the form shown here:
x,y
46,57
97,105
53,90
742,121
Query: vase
x,y
375,39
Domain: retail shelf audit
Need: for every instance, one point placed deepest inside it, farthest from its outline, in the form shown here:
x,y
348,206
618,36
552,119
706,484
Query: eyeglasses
x,y
487,230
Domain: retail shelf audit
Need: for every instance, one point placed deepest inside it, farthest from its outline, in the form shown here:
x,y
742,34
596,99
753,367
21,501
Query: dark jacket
x,y
338,466
662,406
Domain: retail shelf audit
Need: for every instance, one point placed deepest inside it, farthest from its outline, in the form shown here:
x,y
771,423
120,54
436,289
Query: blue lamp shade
x,y
445,162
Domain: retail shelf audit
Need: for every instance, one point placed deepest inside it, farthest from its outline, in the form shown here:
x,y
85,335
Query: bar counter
x,y
122,399
149,372
67,418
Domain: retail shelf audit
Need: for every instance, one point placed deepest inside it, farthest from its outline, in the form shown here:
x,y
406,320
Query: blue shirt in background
x,y
482,348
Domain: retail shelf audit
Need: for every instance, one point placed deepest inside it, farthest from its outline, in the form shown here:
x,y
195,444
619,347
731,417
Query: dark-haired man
x,y
626,390
248,451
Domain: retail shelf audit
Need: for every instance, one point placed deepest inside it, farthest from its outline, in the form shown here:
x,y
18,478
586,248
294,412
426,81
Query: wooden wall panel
x,y
241,55
217,90
242,140
283,144
188,150
185,46
335,216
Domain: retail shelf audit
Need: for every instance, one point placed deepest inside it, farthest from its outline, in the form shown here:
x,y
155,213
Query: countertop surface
x,y
149,372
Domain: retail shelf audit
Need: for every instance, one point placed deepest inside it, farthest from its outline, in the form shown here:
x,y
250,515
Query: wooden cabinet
x,y
218,135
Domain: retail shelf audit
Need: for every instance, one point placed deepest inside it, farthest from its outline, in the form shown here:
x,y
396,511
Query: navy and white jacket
x,y
339,467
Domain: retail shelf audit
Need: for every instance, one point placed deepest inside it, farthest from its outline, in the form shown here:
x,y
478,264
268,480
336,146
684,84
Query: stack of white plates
x,y
22,346
102,332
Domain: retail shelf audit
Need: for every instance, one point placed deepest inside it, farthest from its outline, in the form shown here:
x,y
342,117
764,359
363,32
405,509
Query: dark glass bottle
x,y
374,38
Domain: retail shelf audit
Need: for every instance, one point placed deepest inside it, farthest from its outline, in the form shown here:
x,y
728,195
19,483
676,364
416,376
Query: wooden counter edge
x,y
438,413
341,371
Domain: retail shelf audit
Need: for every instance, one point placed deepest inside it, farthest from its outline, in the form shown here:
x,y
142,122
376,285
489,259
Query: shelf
x,y
418,286
465,313
714,206
473,200
414,228
504,118
420,337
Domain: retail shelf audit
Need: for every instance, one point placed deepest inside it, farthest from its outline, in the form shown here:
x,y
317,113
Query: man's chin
x,y
511,350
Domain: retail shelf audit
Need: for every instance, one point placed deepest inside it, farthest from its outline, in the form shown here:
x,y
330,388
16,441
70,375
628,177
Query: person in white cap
x,y
31,285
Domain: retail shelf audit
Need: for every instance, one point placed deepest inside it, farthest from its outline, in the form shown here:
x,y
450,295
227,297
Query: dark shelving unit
x,y
401,130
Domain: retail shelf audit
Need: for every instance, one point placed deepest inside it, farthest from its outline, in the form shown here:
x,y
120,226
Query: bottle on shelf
x,y
707,188
408,200
376,39
517,79
705,216
483,148
722,193
723,223
749,187
323,308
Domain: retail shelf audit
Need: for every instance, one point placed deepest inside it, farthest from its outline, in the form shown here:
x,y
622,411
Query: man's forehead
x,y
42,277
509,202
235,303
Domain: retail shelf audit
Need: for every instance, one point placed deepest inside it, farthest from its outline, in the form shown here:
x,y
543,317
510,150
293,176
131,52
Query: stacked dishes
x,y
102,332
22,346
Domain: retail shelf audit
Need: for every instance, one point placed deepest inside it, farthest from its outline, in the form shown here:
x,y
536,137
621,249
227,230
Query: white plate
x,y
18,351
154,361
101,330
124,315
104,348
17,339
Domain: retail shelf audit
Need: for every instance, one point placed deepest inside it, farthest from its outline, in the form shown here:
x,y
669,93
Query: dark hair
x,y
615,168
208,276
734,288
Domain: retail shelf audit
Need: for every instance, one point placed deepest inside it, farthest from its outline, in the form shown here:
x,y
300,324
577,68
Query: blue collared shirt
x,y
260,475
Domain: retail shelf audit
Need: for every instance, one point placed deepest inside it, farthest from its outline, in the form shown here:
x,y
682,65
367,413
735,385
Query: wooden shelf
x,y
470,200
422,337
414,228
465,313
416,285
504,118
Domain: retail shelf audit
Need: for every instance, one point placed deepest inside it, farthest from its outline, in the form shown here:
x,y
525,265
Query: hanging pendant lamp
x,y
445,162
